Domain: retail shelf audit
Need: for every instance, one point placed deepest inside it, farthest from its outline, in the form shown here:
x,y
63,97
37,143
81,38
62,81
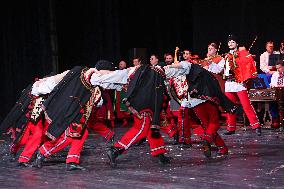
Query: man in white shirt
x,y
264,59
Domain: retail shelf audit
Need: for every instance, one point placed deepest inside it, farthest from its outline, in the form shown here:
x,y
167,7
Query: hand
x,y
242,48
89,73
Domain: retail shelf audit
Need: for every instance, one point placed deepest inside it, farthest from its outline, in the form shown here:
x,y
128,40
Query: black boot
x,y
39,160
185,145
13,156
24,164
175,142
230,133
112,154
206,148
111,140
73,166
220,154
163,160
258,131
140,142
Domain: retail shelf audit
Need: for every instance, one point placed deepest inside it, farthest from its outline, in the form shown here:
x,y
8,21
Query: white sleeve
x,y
263,63
174,72
131,70
216,68
274,79
112,80
44,86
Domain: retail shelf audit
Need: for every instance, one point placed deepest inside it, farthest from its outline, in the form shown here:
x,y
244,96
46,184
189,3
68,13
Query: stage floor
x,y
253,162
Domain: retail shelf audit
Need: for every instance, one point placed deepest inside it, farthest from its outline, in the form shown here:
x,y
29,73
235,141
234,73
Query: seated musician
x,y
277,80
264,60
214,63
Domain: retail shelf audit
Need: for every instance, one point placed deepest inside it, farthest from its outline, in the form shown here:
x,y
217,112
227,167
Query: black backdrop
x,y
90,30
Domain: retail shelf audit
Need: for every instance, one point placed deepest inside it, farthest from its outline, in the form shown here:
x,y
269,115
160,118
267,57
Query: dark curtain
x,y
25,52
157,25
87,31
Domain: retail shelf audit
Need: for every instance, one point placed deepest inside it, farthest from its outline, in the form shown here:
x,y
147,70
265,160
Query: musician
x,y
122,65
187,56
169,59
136,61
239,67
214,63
264,58
282,47
277,80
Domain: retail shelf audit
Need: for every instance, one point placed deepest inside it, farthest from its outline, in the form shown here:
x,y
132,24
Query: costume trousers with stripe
x,y
97,122
76,146
247,107
139,130
208,114
30,139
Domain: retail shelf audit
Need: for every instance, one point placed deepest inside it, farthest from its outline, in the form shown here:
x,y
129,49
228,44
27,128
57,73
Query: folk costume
x,y
144,98
239,67
70,106
204,102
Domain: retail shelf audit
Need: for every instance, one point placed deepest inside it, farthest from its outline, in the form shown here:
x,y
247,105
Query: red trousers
x,y
208,116
76,146
139,130
248,109
97,122
184,126
109,107
31,138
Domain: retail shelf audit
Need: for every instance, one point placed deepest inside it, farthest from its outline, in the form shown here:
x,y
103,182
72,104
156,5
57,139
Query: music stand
x,y
273,58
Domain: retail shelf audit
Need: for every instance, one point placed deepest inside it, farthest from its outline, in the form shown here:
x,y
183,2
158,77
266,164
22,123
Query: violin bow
x,y
252,43
219,48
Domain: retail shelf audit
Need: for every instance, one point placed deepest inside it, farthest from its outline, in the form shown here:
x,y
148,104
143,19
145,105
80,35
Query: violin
x,y
207,61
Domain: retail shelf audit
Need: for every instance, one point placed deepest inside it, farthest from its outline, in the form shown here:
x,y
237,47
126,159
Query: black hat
x,y
232,37
104,65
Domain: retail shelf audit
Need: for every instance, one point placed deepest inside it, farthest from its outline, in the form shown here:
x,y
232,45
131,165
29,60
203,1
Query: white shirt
x,y
112,80
264,59
175,72
274,80
43,86
216,68
46,85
